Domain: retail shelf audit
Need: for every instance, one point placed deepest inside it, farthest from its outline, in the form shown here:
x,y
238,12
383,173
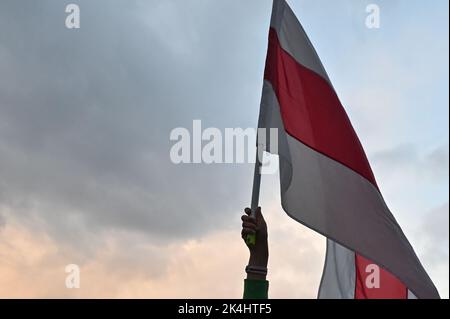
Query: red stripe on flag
x,y
313,114
311,110
369,276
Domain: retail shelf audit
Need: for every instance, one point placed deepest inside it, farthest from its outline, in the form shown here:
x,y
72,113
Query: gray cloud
x,y
85,114
433,245
432,166
435,228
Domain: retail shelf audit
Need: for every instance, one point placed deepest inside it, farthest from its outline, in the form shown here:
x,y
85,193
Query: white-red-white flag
x,y
326,181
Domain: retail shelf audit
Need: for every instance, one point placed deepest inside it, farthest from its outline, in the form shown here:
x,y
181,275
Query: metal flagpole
x,y
251,239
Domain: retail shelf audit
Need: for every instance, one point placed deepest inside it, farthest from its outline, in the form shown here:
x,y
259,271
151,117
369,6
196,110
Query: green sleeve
x,y
256,289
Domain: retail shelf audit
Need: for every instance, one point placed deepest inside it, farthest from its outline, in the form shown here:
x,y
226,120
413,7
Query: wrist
x,y
256,277
256,272
259,259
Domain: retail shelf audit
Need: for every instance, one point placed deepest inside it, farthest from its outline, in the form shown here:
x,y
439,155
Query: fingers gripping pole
x,y
251,239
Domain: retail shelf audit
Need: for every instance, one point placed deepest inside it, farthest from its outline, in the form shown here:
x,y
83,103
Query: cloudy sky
x,y
85,120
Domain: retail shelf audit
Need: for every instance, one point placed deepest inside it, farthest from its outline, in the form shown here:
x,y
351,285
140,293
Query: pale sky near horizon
x,y
85,118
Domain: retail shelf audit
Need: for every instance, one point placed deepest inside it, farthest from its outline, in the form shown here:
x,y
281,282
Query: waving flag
x,y
326,181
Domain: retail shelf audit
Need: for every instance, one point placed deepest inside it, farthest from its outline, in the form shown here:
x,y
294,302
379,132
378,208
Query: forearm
x,y
258,260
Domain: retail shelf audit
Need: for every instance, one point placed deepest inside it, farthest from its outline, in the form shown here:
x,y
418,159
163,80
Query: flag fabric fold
x,y
326,181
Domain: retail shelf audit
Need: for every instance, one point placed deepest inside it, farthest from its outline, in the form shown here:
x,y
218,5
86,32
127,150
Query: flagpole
x,y
251,239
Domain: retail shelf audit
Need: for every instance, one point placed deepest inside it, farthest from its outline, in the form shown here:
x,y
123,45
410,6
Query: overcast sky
x,y
85,119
